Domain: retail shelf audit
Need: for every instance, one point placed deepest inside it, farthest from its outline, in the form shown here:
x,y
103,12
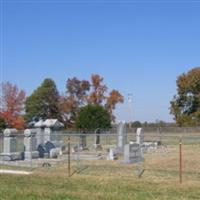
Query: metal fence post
x,y
180,160
69,164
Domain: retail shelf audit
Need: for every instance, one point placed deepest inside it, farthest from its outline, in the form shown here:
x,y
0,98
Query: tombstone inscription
x,y
133,153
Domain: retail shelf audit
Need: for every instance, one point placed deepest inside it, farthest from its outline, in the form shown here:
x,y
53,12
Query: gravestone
x,y
30,144
121,136
97,138
97,144
83,141
139,136
52,150
133,153
10,146
43,153
112,154
52,126
40,132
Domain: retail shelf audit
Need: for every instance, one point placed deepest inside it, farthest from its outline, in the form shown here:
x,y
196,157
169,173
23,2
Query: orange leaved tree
x,y
12,105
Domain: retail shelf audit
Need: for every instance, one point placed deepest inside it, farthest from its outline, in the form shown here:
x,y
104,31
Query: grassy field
x,y
111,180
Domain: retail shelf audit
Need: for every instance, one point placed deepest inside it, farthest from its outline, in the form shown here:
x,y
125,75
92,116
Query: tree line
x,y
19,111
93,97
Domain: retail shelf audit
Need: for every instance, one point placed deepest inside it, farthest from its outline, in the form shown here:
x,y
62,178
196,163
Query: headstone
x,y
51,128
49,146
139,136
54,153
40,132
112,154
122,135
30,144
53,150
10,146
43,153
97,138
133,153
149,147
83,141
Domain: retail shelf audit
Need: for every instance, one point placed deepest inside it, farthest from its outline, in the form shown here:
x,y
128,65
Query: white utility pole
x,y
130,103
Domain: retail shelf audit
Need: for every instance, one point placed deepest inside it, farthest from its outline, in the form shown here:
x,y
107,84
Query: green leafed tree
x,y
92,117
43,102
185,106
136,124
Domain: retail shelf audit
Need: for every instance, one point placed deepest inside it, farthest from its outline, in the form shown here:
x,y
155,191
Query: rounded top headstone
x,y
29,132
139,131
9,132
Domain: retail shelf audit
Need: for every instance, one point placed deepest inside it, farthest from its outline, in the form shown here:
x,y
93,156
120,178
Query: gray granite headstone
x,y
112,154
10,146
52,126
121,136
30,144
40,132
133,153
139,136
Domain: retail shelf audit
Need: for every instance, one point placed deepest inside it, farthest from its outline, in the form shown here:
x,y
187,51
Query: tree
x,y
136,124
43,103
112,100
185,106
76,96
12,105
97,95
82,92
92,117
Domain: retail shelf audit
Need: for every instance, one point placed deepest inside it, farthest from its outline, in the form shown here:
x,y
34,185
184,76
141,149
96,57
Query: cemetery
x,y
46,142
123,165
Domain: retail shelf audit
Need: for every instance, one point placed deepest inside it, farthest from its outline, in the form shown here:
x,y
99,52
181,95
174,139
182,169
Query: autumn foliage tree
x,y
112,100
76,96
12,105
98,89
80,93
185,106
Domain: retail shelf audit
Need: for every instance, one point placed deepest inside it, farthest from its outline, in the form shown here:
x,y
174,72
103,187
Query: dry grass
x,y
112,180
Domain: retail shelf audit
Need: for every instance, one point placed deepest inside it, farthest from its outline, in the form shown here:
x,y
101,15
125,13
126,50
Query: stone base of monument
x,y
11,156
87,157
133,160
112,154
31,155
54,153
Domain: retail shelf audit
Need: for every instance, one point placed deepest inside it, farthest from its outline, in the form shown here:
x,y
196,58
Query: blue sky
x,y
139,47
